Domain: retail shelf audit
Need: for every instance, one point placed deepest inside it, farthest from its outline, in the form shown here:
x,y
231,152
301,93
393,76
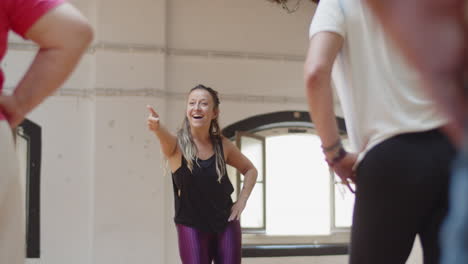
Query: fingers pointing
x,y
152,111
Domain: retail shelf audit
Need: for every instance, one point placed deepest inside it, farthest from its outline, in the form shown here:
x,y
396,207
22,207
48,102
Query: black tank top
x,y
200,200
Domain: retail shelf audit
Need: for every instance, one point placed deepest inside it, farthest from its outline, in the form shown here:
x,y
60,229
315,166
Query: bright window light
x,y
298,186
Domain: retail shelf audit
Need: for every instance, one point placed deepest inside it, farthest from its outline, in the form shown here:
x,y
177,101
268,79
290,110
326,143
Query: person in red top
x,y
63,35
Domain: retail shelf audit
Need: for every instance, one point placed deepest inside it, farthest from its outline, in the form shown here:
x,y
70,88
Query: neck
x,y
201,134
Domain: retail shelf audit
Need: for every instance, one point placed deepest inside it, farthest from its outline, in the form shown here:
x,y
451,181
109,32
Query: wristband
x,y
340,154
335,145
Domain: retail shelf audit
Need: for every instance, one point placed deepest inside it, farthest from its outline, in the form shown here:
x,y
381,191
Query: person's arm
x,y
433,34
236,159
63,35
167,140
323,50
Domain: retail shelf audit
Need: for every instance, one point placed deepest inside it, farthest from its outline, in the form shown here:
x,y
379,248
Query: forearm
x,y
323,49
167,140
320,100
49,70
63,35
250,178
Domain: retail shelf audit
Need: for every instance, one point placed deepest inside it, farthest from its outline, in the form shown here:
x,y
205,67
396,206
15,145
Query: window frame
x,y
238,137
32,133
288,119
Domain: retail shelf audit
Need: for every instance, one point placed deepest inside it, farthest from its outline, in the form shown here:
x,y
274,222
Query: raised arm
x,y
236,159
167,140
63,35
323,49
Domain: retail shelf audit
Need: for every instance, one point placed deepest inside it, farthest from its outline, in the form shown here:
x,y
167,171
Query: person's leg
x,y
12,214
398,189
195,247
229,244
380,231
455,231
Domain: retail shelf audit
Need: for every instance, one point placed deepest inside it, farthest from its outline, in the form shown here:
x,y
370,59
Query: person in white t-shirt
x,y
399,159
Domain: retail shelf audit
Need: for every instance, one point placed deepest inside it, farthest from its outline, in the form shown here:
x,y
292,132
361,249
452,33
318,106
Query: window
x,y
253,146
296,193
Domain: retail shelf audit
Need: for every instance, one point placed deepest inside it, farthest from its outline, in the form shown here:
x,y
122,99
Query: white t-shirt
x,y
379,94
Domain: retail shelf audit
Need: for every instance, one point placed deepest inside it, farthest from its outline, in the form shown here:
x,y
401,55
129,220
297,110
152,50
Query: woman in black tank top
x,y
206,218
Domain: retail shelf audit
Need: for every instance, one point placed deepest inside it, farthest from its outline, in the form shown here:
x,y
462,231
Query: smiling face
x,y
200,108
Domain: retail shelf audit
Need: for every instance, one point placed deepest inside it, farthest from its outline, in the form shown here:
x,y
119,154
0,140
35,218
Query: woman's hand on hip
x,y
236,210
10,107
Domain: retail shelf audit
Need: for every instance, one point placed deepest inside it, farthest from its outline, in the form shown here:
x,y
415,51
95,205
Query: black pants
x,y
402,191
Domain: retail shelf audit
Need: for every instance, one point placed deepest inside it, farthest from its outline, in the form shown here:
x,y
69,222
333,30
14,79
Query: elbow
x,y
85,33
88,33
314,76
78,36
251,173
254,173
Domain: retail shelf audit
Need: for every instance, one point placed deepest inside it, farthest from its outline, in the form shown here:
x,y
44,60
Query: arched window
x,y
296,193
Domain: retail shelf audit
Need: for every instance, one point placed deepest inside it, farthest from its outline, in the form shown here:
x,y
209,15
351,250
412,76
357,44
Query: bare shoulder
x,y
227,143
230,150
228,146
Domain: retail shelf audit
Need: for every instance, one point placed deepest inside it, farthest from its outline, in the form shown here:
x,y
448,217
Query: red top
x,y
19,16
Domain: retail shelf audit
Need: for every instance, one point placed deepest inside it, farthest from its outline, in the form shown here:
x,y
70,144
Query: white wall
x,y
105,198
129,194
66,180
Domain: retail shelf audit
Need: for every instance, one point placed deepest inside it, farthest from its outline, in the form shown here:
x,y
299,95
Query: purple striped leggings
x,y
198,247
